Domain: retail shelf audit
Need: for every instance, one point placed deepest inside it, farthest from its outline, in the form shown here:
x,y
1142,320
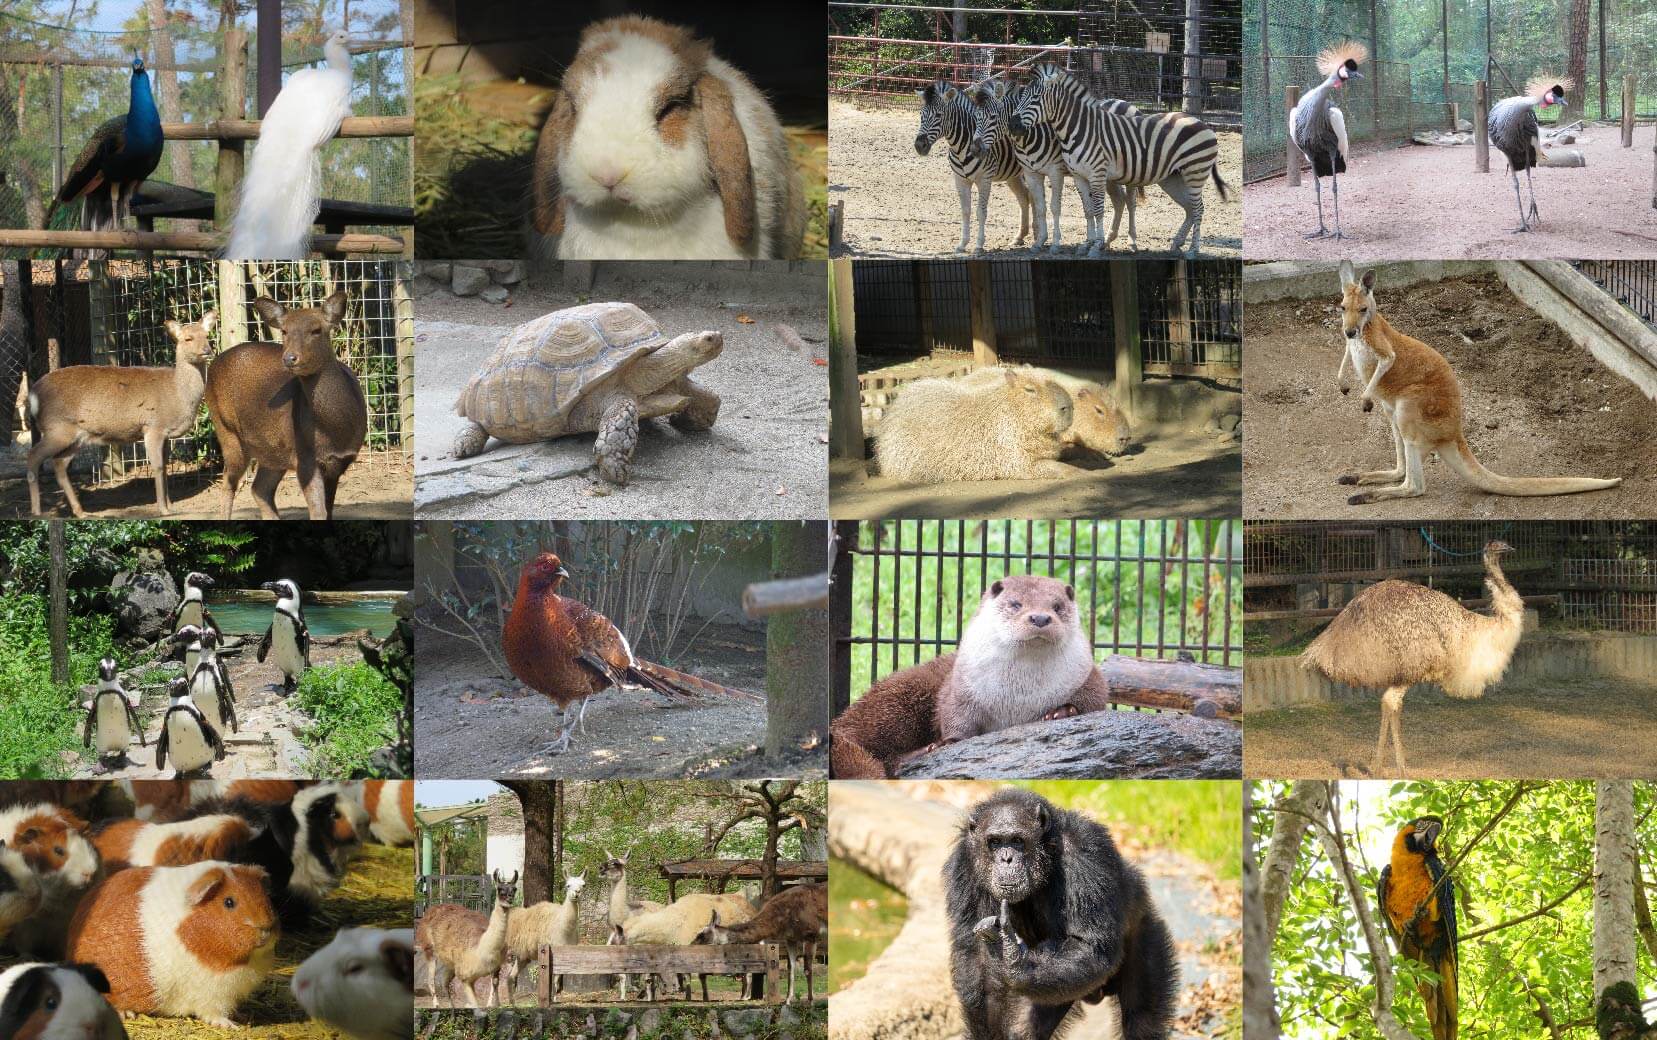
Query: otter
x,y
1022,658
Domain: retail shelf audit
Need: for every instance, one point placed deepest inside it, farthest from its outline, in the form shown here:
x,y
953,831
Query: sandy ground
x,y
1535,405
1180,474
469,723
264,744
1590,728
377,490
901,204
766,456
1427,201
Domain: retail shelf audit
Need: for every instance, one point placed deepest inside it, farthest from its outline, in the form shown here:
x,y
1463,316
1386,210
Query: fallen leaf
x,y
820,361
658,739
781,490
744,319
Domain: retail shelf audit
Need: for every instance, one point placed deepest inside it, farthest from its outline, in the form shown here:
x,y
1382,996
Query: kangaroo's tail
x,y
1460,458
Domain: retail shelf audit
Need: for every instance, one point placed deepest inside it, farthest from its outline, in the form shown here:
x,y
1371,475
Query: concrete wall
x,y
1281,682
1305,279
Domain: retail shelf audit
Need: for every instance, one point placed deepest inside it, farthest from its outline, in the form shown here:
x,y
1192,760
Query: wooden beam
x,y
981,303
845,403
248,129
232,106
1628,105
1130,358
187,241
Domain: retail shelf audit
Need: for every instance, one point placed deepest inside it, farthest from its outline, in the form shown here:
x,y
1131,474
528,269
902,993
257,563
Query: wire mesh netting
x,y
1603,573
1161,55
1145,588
59,83
1426,54
1056,312
115,313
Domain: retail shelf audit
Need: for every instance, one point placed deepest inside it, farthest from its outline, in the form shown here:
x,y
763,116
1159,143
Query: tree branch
x,y
1538,912
1306,800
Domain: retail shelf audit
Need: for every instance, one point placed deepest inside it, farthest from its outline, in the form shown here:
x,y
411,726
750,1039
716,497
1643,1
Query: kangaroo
x,y
1418,394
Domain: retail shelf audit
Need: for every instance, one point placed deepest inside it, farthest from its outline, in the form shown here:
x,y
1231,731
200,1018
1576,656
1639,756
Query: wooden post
x,y
1628,111
1654,171
982,306
232,306
1455,115
1291,98
845,403
1179,317
544,995
773,962
846,535
269,23
403,305
1481,124
1124,310
232,105
923,302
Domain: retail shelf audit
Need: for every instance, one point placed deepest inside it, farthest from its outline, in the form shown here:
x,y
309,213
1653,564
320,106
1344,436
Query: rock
x,y
468,280
513,274
745,1022
437,269
1101,745
1229,421
423,285
144,599
495,294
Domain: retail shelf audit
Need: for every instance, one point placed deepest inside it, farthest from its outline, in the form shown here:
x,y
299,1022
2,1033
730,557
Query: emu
x,y
1395,634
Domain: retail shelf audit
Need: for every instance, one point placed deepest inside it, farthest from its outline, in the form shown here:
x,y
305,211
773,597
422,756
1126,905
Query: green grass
x,y
1201,818
40,719
355,709
867,914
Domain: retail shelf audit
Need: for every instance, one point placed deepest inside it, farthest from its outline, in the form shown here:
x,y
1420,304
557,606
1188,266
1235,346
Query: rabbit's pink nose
x,y
609,176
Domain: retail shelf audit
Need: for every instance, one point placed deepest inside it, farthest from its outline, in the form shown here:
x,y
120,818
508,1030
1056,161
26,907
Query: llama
x,y
462,944
528,928
679,924
1396,633
796,918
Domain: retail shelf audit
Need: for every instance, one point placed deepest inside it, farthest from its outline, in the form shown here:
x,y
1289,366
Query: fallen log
x,y
1207,690
1116,745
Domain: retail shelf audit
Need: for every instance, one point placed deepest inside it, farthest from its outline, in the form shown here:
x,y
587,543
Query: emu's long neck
x,y
1505,601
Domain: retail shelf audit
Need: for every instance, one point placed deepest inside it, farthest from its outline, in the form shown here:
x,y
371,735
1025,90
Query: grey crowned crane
x,y
1319,128
1516,133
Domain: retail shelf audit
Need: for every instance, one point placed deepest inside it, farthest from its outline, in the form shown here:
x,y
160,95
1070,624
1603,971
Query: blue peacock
x,y
115,162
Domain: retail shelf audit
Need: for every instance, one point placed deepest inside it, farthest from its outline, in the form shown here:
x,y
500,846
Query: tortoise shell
x,y
543,368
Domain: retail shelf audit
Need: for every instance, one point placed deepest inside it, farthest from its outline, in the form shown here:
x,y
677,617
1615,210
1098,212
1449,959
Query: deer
x,y
288,406
115,405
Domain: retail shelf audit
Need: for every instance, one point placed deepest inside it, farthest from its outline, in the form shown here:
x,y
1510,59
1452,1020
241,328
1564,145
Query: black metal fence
x,y
1603,572
904,590
472,891
1632,282
1162,55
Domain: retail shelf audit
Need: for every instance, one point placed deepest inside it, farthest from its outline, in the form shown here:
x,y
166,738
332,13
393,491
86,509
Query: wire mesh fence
x,y
472,891
115,313
1056,312
1162,55
1632,282
1145,588
1603,572
59,83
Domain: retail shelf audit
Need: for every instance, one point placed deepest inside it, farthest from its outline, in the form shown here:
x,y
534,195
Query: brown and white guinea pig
x,y
57,1002
656,148
173,799
305,845
52,841
390,808
136,843
179,941
19,891
362,983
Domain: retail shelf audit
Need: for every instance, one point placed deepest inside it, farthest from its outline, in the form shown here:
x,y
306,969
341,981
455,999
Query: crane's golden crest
x,y
1332,58
1543,82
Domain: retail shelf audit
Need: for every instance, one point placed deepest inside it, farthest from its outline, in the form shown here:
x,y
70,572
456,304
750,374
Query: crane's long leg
x,y
1335,184
1531,184
1317,186
1518,198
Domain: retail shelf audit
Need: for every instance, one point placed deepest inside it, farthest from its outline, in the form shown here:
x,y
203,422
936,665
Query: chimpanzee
x,y
1044,912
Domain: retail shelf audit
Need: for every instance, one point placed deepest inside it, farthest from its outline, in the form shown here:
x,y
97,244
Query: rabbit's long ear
x,y
733,174
548,212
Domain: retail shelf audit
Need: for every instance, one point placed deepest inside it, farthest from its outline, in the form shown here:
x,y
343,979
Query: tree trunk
x,y
1617,1000
1307,800
1260,1021
538,800
58,580
796,644
1576,62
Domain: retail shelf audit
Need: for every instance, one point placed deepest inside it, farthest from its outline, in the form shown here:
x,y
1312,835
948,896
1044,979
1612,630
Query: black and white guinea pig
x,y
362,983
304,845
57,1002
19,890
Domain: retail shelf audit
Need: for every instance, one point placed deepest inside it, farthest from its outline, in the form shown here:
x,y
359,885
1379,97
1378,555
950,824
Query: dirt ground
x,y
1589,728
380,490
1535,405
1179,474
1427,201
901,204
470,723
265,744
766,456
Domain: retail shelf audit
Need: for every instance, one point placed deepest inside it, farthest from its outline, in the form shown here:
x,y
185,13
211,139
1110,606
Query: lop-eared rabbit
x,y
656,148
104,404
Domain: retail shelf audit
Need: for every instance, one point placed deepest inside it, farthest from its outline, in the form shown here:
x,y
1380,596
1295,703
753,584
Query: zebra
x,y
1111,150
1516,133
947,113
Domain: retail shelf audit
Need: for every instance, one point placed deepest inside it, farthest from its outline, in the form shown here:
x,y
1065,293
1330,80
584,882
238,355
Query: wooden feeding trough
x,y
757,959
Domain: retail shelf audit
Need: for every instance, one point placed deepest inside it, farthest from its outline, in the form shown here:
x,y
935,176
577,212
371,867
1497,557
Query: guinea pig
x,y
362,983
19,890
57,1002
390,808
658,149
136,843
52,841
193,940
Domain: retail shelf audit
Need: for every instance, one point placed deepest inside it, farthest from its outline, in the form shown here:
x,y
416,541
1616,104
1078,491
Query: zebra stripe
x,y
1129,149
950,114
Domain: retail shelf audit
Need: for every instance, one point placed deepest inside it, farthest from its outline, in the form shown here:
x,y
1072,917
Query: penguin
x,y
113,719
287,634
186,734
192,610
209,685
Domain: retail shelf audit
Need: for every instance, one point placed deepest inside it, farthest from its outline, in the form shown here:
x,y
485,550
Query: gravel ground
x,y
1427,201
901,204
766,457
1535,405
1590,728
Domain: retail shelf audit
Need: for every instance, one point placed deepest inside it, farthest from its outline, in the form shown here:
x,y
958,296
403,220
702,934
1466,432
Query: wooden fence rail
x,y
759,958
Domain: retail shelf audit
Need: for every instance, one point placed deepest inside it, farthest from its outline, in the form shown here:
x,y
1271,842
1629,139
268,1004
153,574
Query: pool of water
x,y
323,620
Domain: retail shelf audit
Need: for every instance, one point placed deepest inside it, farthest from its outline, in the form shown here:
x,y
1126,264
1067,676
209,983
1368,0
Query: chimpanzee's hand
x,y
1012,947
986,928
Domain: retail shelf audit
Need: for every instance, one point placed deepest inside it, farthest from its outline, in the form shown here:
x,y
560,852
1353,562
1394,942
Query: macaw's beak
x,y
1429,830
